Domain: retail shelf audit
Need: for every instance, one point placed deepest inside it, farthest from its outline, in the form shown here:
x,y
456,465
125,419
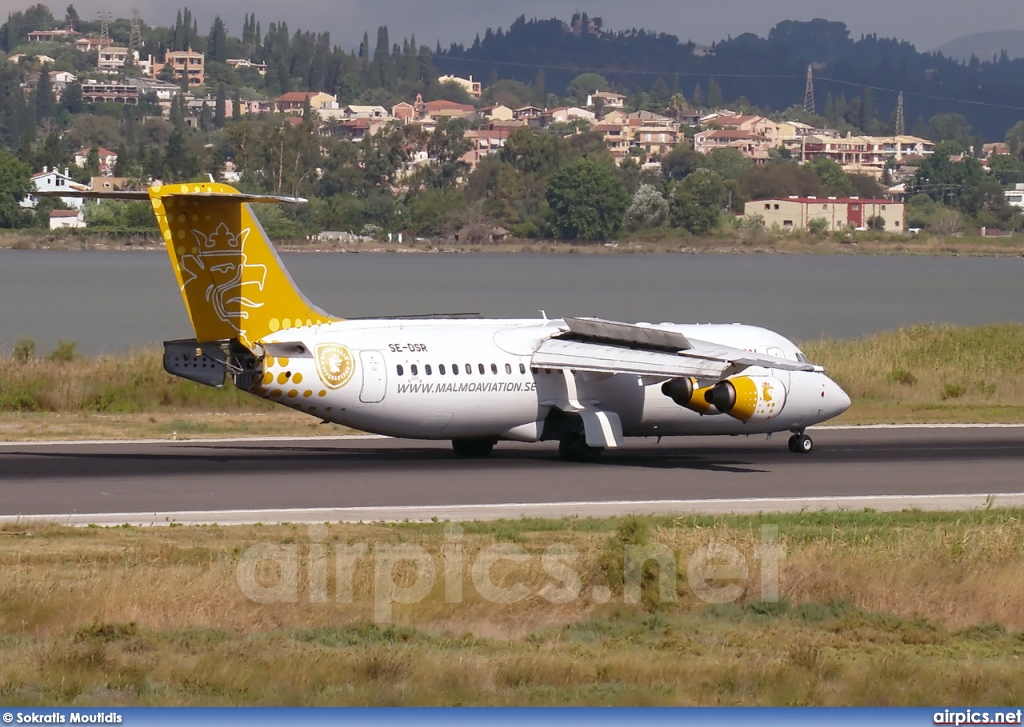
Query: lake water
x,y
111,301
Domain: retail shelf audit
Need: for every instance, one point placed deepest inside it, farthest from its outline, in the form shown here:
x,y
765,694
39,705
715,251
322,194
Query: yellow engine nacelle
x,y
747,397
684,393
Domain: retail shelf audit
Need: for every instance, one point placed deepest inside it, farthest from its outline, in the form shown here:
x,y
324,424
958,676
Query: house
x,y
184,63
108,159
863,154
294,102
48,35
62,219
496,113
484,144
51,180
441,108
568,114
616,139
527,112
840,213
609,101
238,63
114,58
758,125
121,93
403,111
751,145
109,184
470,86
1015,197
88,45
656,136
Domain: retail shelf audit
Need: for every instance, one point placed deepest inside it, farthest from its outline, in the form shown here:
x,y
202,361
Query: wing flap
x,y
602,358
628,334
704,361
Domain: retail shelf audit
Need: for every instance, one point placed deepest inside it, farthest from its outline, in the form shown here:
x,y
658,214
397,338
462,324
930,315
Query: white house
x,y
61,219
50,180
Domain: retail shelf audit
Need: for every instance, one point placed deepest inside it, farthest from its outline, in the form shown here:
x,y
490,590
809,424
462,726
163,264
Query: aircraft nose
x,y
838,400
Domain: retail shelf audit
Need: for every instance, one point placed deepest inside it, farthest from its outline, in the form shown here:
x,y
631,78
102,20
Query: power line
x,y
766,76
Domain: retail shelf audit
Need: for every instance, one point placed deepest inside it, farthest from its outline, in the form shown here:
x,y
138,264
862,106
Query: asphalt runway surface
x,y
369,479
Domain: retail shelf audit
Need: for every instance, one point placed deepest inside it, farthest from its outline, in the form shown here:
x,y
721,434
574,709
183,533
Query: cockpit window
x,y
801,358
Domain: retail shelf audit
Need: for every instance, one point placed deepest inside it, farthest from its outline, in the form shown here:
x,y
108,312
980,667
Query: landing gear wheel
x,y
473,447
574,448
800,444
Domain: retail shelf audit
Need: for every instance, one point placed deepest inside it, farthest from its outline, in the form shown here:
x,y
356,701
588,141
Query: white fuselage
x,y
452,378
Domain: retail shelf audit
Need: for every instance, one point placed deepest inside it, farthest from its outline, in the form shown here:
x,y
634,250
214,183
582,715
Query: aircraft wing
x,y
610,347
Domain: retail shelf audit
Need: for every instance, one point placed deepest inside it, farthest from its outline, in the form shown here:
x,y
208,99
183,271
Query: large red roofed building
x,y
840,213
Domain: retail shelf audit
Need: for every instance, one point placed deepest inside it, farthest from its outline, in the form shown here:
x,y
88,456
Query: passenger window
x,y
522,368
508,368
401,370
440,369
415,370
481,369
469,369
534,369
494,368
455,369
426,367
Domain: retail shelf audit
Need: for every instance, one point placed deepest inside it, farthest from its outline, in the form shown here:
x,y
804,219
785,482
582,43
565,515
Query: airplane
x,y
586,382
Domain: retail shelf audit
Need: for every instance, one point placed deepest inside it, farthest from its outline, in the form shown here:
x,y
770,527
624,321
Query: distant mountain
x,y
984,46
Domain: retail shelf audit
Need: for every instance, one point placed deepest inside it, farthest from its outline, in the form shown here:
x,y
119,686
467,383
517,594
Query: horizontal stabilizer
x,y
144,195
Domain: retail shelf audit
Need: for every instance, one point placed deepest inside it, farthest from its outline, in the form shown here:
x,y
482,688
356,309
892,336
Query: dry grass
x,y
656,241
919,374
905,608
930,373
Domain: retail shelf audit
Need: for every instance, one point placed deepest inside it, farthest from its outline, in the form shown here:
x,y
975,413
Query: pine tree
x,y
46,104
539,92
698,97
830,110
714,95
236,106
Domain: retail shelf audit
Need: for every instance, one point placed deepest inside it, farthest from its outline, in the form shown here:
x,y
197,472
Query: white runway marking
x,y
418,513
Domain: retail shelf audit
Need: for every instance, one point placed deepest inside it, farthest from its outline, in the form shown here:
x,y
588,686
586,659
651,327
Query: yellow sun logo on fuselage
x,y
335,364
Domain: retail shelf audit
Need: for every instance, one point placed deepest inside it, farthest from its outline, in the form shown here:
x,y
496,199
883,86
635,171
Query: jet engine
x,y
748,397
684,393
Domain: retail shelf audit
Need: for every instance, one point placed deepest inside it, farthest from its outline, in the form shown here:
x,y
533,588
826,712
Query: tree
x,y
649,209
587,201
696,202
584,85
834,180
46,102
714,95
680,162
217,42
446,147
14,186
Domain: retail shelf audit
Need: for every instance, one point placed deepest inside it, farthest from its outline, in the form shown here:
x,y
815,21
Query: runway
x,y
371,479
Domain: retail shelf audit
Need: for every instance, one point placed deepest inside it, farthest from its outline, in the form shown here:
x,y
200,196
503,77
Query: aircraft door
x,y
375,377
782,375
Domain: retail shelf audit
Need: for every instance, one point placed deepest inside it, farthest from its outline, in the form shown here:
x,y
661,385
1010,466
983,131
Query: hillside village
x,y
432,154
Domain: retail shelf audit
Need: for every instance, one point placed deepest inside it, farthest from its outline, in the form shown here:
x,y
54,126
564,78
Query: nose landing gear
x,y
800,443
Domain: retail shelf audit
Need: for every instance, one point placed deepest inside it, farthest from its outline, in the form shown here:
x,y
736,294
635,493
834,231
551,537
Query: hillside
x,y
769,72
984,46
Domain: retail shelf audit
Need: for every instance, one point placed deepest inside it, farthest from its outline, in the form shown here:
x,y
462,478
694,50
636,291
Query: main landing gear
x,y
475,448
800,443
573,447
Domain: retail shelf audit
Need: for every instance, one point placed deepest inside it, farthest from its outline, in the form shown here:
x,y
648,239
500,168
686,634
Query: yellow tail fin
x,y
231,278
